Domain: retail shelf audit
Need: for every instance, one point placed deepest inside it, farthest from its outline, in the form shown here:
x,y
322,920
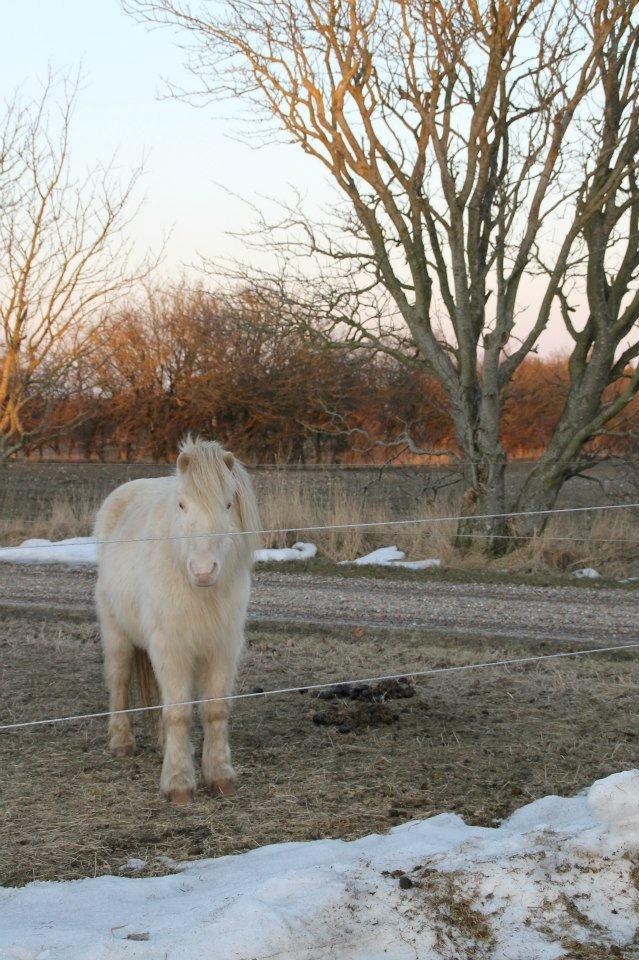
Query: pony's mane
x,y
209,468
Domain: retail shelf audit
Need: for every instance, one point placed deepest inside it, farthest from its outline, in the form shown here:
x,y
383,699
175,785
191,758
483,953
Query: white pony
x,y
172,603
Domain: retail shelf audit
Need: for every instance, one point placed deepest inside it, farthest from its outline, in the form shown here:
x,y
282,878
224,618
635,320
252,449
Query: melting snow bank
x,y
557,874
392,557
83,550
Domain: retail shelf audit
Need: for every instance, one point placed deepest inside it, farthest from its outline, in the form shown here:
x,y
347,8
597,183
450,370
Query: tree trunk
x,y
575,428
484,475
477,418
484,503
539,492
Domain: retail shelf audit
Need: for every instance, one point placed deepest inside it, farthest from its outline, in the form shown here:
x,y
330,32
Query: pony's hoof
x,y
120,750
223,788
180,795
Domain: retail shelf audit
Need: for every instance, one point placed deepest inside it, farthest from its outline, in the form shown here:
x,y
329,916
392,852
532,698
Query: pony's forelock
x,y
203,467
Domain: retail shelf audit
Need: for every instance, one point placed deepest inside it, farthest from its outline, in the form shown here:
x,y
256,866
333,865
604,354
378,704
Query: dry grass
x,y
481,746
571,542
296,500
298,503
65,516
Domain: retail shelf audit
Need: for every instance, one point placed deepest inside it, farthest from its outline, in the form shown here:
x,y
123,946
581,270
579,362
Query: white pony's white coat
x,y
180,601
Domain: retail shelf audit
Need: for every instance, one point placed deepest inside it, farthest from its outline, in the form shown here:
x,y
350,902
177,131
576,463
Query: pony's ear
x,y
228,459
183,462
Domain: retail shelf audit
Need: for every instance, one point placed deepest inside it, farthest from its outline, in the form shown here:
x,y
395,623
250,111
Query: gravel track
x,y
560,614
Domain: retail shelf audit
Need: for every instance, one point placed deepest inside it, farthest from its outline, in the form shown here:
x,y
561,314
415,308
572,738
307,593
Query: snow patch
x,y
299,551
558,870
587,573
74,550
392,557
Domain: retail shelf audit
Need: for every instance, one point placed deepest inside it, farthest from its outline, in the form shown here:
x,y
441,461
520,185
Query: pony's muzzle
x,y
204,576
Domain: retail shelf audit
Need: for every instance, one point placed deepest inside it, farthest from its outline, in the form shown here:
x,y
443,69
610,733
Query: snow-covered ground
x,y
559,872
79,550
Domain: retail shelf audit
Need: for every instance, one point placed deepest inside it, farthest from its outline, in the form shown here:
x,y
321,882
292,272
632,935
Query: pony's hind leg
x,y
118,665
217,770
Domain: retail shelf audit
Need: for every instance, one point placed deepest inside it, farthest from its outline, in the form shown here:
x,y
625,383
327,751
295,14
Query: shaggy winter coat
x,y
171,597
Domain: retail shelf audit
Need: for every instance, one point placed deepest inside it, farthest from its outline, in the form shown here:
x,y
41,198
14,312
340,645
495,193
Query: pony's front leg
x,y
177,781
217,770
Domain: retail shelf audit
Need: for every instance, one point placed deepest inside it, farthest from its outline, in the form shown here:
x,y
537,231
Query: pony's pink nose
x,y
204,576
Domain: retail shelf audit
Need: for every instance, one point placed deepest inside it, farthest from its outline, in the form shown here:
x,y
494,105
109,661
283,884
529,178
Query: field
x,y
479,744
57,500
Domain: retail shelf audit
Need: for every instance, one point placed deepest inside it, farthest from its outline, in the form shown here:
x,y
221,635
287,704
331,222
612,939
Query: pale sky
x,y
191,156
187,151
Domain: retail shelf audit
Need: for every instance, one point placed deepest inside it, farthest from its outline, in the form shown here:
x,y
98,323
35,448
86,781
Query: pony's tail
x,y
145,679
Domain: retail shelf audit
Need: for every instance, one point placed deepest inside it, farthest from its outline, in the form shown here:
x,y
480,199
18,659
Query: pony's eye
x,y
229,505
181,505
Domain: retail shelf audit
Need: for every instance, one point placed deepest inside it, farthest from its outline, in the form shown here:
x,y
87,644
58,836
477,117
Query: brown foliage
x,y
229,367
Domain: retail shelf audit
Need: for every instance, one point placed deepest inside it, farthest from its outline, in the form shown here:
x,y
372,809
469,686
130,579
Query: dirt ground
x,y
478,743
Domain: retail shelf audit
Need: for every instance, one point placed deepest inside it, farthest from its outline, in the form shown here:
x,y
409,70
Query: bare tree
x,y
481,147
64,256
